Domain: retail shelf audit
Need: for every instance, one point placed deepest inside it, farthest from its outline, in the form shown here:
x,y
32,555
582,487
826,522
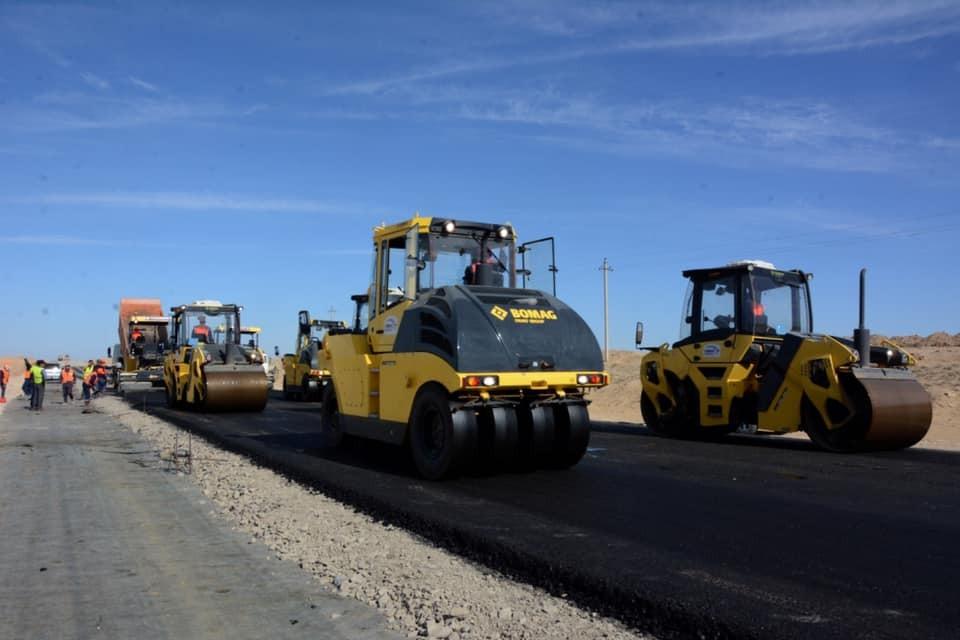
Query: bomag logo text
x,y
532,316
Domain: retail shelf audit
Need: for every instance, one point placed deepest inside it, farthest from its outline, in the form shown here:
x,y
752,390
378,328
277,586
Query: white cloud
x,y
94,81
181,201
143,84
589,30
50,240
56,111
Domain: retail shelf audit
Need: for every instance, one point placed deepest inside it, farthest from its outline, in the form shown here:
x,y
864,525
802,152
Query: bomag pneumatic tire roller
x,y
211,370
748,359
456,361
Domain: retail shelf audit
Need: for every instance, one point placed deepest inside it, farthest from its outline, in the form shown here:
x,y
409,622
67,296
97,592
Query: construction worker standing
x,y
101,372
67,376
36,377
4,381
88,381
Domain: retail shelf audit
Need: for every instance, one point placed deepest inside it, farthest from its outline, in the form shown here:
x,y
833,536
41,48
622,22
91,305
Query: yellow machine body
x,y
417,335
778,379
305,371
214,372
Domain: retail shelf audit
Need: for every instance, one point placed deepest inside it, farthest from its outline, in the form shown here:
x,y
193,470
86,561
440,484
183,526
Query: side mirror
x,y
639,337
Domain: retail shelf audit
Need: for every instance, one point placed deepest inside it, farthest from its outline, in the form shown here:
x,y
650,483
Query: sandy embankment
x,y
938,371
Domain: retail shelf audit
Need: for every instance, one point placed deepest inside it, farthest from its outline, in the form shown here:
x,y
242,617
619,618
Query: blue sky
x,y
243,153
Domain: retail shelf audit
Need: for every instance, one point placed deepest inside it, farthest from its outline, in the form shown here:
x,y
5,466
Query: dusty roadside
x,y
422,590
100,541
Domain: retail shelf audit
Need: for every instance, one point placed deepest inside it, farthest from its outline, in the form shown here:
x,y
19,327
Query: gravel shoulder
x,y
423,591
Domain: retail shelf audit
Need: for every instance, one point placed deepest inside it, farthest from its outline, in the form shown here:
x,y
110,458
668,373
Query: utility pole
x,y
605,268
333,312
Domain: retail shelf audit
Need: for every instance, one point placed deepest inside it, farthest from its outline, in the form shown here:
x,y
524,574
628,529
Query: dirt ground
x,y
938,371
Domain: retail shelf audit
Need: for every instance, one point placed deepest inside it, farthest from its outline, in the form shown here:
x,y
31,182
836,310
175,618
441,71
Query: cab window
x,y
392,262
718,306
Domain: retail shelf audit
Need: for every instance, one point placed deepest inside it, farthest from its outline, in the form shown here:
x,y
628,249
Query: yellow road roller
x,y
450,355
304,371
748,360
210,369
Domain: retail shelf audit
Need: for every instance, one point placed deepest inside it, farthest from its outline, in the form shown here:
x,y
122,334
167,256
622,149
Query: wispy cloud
x,y
94,81
59,111
51,240
587,30
181,201
143,84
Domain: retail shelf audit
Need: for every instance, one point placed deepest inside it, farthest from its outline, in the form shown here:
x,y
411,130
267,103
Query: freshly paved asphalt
x,y
748,537
96,541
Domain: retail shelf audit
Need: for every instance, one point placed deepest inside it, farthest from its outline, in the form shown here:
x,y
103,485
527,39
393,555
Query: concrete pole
x,y
606,268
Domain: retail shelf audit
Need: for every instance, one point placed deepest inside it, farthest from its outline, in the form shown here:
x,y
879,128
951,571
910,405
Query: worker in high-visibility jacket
x,y
101,371
88,381
67,377
4,381
36,378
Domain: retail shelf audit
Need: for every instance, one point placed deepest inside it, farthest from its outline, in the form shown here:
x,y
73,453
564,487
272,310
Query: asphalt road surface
x,y
748,537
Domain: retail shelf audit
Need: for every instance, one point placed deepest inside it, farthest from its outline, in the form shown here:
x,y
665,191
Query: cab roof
x,y
742,266
436,225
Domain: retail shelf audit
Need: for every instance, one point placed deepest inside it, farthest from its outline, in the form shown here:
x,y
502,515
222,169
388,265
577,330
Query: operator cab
x,y
748,297
206,322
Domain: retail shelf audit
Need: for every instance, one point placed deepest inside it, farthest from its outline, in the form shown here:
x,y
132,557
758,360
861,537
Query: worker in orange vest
x,y
101,371
201,332
4,381
67,377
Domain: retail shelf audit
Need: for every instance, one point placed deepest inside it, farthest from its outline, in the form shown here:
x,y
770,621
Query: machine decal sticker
x,y
498,313
390,325
711,351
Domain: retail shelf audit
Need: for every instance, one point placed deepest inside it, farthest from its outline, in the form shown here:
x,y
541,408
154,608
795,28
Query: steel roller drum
x,y
235,389
898,408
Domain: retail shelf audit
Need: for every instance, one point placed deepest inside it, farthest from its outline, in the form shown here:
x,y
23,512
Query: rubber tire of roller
x,y
172,401
572,423
650,416
442,442
537,432
506,435
330,430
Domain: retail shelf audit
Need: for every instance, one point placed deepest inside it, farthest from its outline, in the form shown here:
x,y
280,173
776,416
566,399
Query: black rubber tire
x,y
172,401
572,435
537,432
330,429
442,441
650,416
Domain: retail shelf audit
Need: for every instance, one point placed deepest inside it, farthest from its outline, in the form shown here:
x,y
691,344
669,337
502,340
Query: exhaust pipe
x,y
861,335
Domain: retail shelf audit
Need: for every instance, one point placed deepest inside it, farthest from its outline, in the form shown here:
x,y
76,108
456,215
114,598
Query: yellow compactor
x,y
213,370
748,360
452,357
304,371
